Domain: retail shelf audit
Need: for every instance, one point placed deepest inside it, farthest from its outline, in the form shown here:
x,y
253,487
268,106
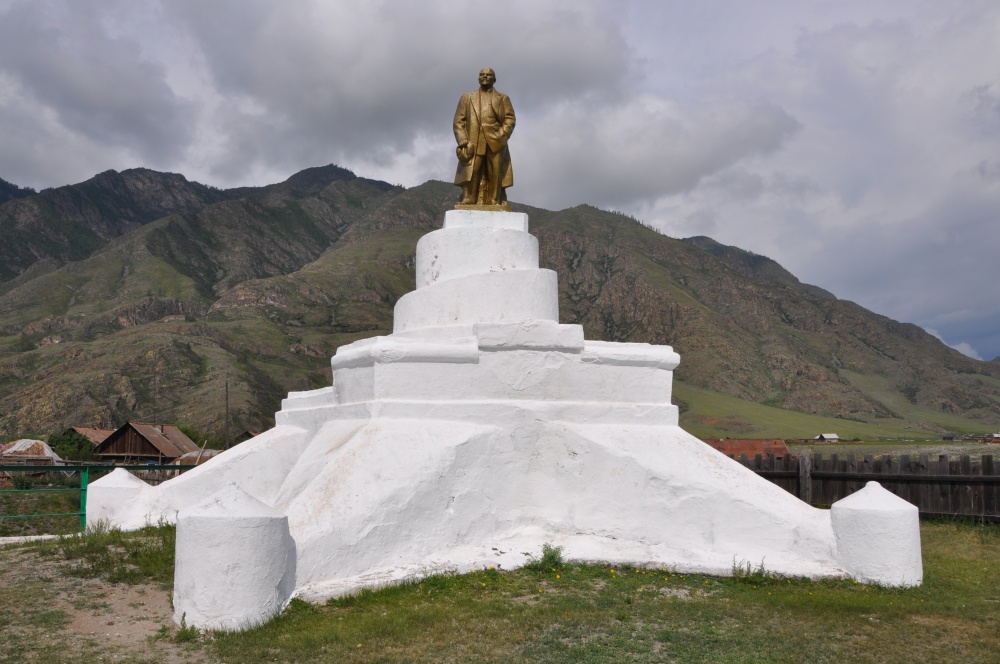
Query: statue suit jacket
x,y
467,128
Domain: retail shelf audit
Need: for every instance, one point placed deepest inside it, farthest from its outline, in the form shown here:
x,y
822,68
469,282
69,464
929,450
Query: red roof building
x,y
734,447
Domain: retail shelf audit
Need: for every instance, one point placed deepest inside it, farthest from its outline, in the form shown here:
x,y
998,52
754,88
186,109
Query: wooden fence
x,y
938,487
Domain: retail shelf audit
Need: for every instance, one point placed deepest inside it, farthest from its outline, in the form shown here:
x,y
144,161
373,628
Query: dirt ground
x,y
49,615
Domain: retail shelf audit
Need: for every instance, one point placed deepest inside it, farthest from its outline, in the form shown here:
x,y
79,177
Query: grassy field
x,y
709,414
556,612
932,448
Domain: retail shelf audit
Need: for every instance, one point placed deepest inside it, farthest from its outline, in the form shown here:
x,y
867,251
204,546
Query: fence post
x,y
84,478
805,476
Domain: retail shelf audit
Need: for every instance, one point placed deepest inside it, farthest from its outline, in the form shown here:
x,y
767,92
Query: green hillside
x,y
150,317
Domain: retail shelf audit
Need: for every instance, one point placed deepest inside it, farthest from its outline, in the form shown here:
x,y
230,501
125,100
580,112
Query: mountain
x,y
69,223
9,191
183,288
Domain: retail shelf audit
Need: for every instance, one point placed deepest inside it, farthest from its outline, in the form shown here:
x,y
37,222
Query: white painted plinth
x,y
451,253
878,537
491,297
235,562
517,221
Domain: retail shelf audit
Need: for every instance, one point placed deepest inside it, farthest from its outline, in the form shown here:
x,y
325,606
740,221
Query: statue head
x,y
487,78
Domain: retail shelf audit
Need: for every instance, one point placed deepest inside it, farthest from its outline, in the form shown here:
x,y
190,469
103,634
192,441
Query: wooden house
x,y
827,438
137,442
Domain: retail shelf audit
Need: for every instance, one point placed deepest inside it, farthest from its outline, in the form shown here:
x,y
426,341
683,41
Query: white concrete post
x,y
235,562
117,499
878,537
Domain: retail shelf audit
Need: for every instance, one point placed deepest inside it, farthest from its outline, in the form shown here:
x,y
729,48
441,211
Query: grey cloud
x,y
644,148
985,104
97,85
349,81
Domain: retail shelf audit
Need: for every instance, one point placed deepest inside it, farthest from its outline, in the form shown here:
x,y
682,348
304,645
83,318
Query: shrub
x,y
551,559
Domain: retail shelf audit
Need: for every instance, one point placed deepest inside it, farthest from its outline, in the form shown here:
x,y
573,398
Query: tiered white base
x,y
472,436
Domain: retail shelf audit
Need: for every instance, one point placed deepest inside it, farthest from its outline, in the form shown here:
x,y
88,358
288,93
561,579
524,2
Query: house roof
x,y
95,435
828,435
166,438
29,448
750,446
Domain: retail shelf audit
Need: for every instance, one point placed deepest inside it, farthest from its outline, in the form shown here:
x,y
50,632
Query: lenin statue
x,y
484,121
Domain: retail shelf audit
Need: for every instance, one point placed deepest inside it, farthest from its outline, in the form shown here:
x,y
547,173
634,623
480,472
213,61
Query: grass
x,y
560,611
118,557
747,419
592,613
932,448
55,502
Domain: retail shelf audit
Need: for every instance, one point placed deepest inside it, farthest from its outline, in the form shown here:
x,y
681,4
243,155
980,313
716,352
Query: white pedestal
x,y
482,428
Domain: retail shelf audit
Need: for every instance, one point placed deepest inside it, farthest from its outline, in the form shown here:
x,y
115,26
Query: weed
x,y
162,633
185,634
551,559
297,606
22,482
755,576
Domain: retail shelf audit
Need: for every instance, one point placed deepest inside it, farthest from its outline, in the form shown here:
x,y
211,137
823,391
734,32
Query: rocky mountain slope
x,y
9,191
140,295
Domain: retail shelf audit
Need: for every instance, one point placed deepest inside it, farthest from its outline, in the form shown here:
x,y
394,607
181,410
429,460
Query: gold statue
x,y
484,121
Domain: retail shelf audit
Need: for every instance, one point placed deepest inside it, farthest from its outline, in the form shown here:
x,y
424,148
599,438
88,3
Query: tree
x,y
73,446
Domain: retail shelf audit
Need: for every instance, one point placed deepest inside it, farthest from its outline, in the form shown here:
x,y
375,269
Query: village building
x,y
735,447
29,452
138,442
94,435
827,438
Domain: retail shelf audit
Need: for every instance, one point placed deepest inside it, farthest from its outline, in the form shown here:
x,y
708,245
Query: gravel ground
x,y
49,615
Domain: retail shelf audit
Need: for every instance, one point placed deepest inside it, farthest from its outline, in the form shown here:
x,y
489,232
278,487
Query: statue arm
x,y
508,117
460,124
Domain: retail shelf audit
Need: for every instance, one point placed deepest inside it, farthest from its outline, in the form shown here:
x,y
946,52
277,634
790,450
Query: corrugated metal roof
x,y
750,446
95,435
167,438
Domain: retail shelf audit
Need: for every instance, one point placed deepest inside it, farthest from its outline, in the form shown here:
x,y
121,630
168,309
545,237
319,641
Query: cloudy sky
x,y
855,142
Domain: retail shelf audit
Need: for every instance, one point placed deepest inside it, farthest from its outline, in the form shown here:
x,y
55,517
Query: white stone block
x,y
878,537
630,354
386,350
307,399
450,253
235,562
534,335
493,297
517,221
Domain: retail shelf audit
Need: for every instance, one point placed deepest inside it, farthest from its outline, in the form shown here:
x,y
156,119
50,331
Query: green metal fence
x,y
85,471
